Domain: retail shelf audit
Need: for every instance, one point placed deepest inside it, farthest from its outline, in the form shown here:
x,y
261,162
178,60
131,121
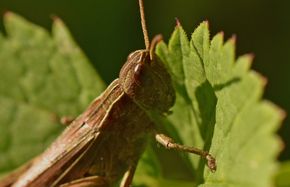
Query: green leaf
x,y
219,109
43,77
282,177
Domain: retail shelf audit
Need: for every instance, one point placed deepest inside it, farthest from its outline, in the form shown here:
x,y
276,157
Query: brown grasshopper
x,y
104,143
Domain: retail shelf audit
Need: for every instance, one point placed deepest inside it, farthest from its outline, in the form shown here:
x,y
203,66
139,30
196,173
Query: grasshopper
x,y
102,146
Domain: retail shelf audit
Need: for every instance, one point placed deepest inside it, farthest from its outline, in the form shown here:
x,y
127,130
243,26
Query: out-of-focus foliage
x,y
42,78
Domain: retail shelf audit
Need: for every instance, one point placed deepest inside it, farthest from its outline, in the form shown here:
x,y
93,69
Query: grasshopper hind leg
x,y
98,181
128,177
92,181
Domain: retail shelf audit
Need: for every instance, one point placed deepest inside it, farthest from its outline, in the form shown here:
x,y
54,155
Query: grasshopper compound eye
x,y
138,71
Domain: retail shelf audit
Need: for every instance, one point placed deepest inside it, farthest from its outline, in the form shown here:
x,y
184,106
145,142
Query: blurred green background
x,y
108,30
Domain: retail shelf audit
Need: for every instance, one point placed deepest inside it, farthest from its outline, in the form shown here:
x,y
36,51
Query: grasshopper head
x,y
147,82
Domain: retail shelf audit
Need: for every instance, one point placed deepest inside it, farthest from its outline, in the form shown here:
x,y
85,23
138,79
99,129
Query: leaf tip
x,y
206,23
55,17
7,14
282,113
221,34
177,22
262,78
218,40
10,17
56,20
4,12
250,56
281,145
58,26
203,25
233,39
280,117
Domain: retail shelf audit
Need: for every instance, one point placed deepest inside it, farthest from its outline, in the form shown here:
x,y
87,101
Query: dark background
x,y
107,30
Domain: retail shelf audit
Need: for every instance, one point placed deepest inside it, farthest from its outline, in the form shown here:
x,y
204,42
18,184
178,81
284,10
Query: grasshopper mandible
x,y
104,143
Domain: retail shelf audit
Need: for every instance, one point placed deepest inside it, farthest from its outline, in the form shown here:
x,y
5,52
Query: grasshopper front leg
x,y
169,143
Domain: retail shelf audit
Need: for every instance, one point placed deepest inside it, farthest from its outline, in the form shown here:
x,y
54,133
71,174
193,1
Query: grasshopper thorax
x,y
147,82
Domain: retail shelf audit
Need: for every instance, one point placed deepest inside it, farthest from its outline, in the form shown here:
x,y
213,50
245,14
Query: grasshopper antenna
x,y
143,23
